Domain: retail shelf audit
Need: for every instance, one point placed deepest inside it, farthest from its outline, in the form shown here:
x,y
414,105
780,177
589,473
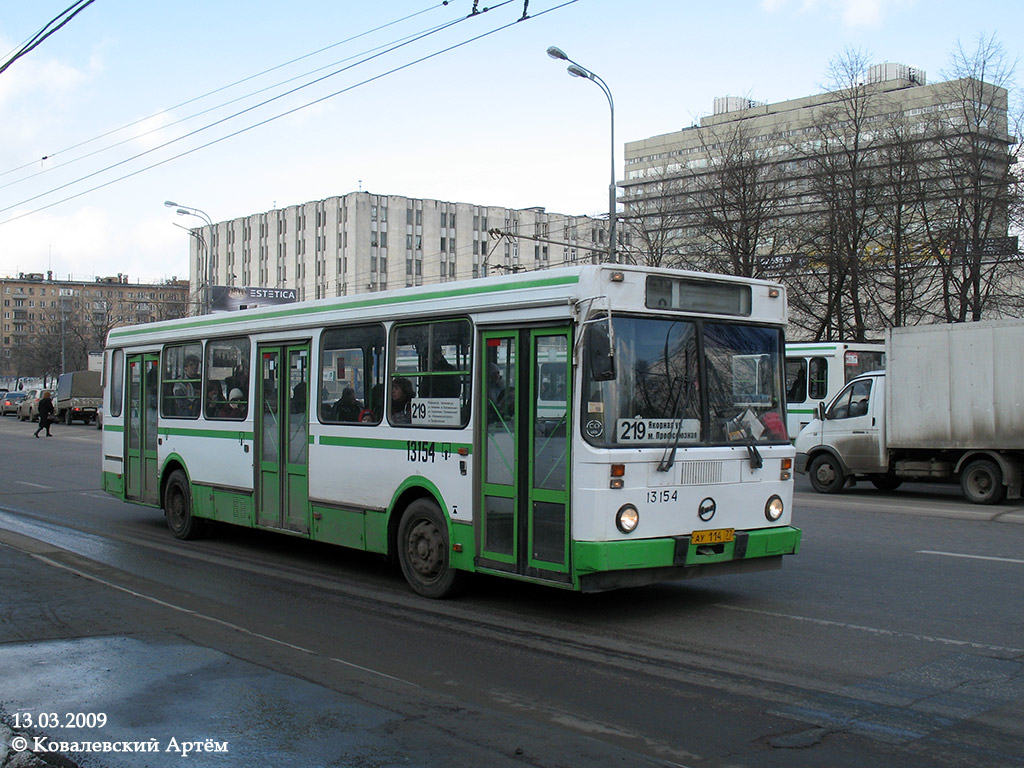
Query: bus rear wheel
x,y
423,551
178,508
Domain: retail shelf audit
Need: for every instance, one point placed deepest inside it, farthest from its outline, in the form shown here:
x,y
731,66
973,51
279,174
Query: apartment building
x,y
45,318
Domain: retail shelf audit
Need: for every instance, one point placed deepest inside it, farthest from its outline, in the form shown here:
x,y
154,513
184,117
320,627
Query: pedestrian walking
x,y
45,410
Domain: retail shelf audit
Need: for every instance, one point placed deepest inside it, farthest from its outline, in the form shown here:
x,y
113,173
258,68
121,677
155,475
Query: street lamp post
x,y
184,210
576,70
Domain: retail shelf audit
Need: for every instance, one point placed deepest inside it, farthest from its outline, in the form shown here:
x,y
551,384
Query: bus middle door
x,y
524,525
282,432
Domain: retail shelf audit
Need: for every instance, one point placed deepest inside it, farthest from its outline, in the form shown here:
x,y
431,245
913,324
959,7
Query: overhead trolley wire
x,y
36,40
215,91
277,116
226,119
392,45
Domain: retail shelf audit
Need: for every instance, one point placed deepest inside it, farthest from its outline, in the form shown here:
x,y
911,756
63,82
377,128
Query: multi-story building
x,y
362,242
46,319
891,183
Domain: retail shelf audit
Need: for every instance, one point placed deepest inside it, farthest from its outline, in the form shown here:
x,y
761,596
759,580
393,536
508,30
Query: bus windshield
x,y
666,393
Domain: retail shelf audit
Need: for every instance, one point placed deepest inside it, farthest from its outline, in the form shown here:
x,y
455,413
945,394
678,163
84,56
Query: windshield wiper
x,y
669,457
756,462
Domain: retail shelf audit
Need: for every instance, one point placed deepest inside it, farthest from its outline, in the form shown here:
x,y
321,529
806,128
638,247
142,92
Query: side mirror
x,y
821,411
600,354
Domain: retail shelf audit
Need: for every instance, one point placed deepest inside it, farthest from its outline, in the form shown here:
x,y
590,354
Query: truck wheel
x,y
423,549
178,508
67,417
982,482
886,482
827,474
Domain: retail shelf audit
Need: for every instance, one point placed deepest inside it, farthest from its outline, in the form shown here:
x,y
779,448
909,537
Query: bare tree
x,y
900,274
843,185
655,220
737,203
971,184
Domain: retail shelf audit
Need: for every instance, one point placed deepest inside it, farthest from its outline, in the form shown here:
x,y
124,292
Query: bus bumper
x,y
615,564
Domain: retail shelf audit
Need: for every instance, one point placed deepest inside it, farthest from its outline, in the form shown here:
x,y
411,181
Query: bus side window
x,y
351,375
818,378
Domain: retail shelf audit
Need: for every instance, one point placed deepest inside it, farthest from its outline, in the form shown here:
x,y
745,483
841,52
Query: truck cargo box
x,y
956,386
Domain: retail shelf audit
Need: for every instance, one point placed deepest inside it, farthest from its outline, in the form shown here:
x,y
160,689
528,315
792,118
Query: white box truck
x,y
950,405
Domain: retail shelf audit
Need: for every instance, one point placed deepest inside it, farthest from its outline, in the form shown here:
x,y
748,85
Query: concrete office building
x,y
663,172
363,242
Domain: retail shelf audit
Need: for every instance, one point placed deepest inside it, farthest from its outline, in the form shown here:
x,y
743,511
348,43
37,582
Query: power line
x,y
269,119
392,45
36,40
226,119
217,90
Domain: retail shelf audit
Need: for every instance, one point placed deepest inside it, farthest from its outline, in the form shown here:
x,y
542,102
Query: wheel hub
x,y
425,548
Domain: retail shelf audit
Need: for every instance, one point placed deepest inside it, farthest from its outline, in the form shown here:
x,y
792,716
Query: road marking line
x,y
970,557
34,485
213,619
874,630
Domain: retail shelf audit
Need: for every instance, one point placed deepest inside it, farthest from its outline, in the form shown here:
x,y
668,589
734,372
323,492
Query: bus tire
x,y
178,508
423,551
826,474
982,482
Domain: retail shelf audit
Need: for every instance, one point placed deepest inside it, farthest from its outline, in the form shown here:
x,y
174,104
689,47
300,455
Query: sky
x,y
135,103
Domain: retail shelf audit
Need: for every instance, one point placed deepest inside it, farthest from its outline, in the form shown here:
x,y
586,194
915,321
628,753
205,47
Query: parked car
x,y
28,408
9,402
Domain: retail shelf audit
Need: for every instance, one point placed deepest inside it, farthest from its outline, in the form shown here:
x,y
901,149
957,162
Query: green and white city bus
x,y
817,370
589,428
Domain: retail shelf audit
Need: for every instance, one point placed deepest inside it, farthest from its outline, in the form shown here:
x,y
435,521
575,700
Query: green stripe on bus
x,y
233,317
186,432
384,444
113,428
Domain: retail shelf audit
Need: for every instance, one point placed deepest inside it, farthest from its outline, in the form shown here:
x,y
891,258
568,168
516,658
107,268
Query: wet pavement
x,y
96,675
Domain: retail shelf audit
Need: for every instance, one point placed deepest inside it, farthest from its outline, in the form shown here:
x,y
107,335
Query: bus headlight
x,y
627,518
773,509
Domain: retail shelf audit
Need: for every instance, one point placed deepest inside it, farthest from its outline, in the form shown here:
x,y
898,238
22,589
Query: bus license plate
x,y
718,536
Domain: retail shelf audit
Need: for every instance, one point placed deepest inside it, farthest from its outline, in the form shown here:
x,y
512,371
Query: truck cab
x,y
846,440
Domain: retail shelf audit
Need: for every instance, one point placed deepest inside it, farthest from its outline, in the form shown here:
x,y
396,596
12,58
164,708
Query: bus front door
x,y
282,434
140,429
524,524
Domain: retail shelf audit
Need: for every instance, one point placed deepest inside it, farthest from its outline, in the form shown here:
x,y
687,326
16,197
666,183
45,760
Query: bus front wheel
x,y
826,474
178,508
423,551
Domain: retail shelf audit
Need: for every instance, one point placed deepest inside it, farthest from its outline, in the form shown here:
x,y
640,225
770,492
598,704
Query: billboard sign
x,y
230,298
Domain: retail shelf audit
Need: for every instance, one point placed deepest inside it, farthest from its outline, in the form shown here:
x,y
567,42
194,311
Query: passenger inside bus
x,y
186,392
214,398
401,400
347,408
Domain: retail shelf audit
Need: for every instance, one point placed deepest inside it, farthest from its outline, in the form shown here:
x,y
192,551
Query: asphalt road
x,y
894,638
